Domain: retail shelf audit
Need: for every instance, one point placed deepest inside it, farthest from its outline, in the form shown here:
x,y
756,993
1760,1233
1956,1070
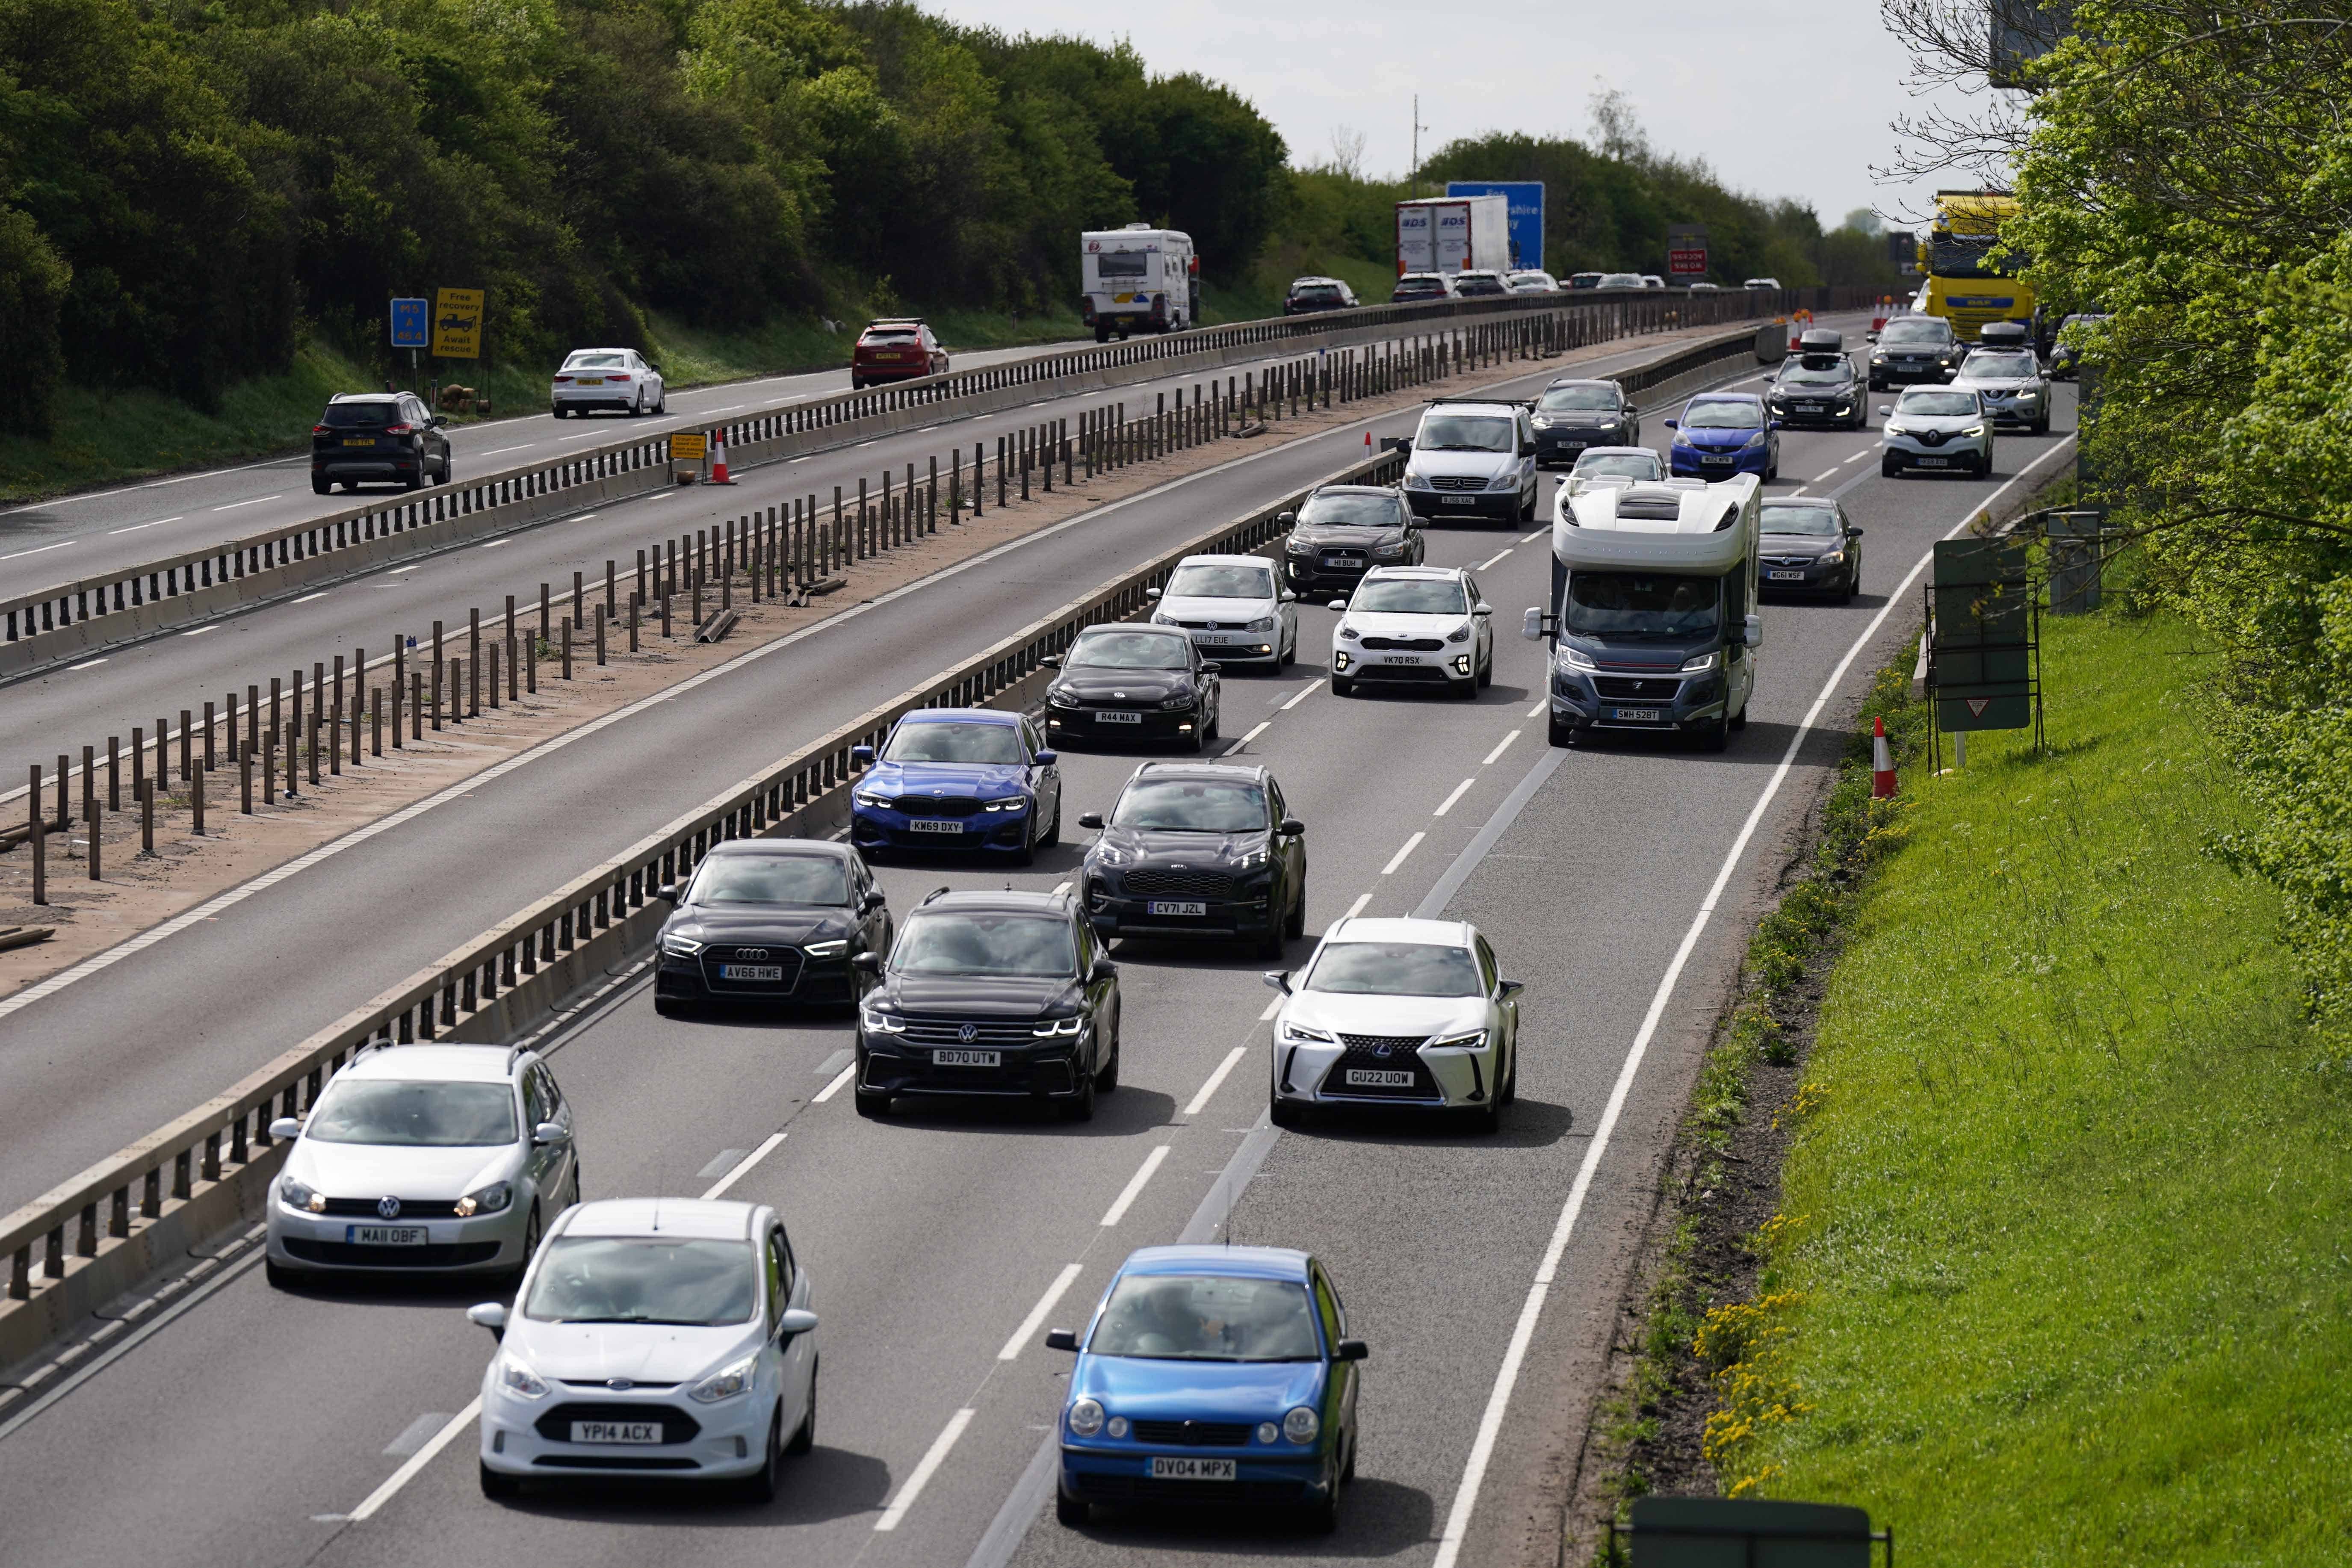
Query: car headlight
x,y
1263,624
2026,395
1301,1425
1059,699
492,1199
1255,857
1086,1417
1878,356
1011,803
1389,552
1297,546
833,949
1973,430
1459,633
1895,429
1682,438
1183,700
1048,1027
1414,481
1116,1427
1348,634
1467,1040
1160,618
295,1195
1541,421
1306,1035
1698,662
1826,558
877,1022
878,802
1504,481
1757,440
1575,659
1608,426
1110,854
726,1382
680,946
519,1380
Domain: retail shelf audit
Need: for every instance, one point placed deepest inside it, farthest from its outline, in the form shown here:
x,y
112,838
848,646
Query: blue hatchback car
x,y
1725,433
957,778
1211,1374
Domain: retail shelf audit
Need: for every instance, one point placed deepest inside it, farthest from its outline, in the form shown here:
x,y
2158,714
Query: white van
x,y
1139,280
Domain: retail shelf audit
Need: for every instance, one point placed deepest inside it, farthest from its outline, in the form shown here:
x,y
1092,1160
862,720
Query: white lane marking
x,y
1060,888
137,526
86,664
924,1468
1829,473
1135,1185
1305,692
584,436
1495,557
39,549
1501,747
413,1436
1216,1080
1537,711
1036,1318
1397,859
768,1146
723,1161
1857,457
800,460
256,501
1481,1449
1358,907
418,1461
200,631
502,544
728,408
308,597
1253,734
500,451
837,1086
1531,538
1459,790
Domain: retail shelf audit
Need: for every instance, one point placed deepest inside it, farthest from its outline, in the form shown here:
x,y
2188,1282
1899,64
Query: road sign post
x,y
1983,632
411,329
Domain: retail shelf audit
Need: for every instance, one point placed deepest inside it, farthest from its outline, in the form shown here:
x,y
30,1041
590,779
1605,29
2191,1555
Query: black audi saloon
x,y
1343,531
1198,849
1124,682
1005,994
770,922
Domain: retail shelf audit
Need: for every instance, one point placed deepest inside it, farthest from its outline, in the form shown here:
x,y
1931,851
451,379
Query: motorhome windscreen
x,y
1122,264
1616,606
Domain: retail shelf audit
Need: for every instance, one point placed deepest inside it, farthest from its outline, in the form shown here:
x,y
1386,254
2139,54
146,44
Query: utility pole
x,y
1417,129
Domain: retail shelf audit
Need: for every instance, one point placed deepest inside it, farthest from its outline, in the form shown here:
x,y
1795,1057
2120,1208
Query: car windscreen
x,y
942,741
956,942
1620,281
596,362
1821,519
1933,404
1580,398
1420,286
694,1283
1466,432
1221,581
361,415
772,880
1725,415
1915,332
1395,969
1120,264
1626,464
1411,596
1188,1316
1315,291
1130,650
415,1113
1352,511
1192,805
1836,374
1620,604
2003,365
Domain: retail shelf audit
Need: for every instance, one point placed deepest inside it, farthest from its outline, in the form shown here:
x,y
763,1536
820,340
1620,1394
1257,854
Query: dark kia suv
x,y
1199,849
378,436
770,922
1002,995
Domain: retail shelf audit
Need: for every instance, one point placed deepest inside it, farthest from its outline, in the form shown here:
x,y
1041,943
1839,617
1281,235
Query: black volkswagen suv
x,y
1343,531
1198,849
994,994
378,435
769,922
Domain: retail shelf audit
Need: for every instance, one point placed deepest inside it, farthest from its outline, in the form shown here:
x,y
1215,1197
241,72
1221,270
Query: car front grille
x,y
1654,690
1415,645
409,1208
1198,884
434,1254
1193,1434
1404,1055
936,806
996,1032
1458,482
677,1426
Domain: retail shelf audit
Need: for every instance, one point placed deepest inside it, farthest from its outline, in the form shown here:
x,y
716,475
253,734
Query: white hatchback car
x,y
1424,626
1234,607
1598,467
1940,427
424,1158
1397,1012
653,1337
608,378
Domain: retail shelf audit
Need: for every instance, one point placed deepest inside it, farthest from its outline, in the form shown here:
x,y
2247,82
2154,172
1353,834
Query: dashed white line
x,y
1397,859
1038,1313
743,1167
924,1470
199,631
1537,711
1216,1080
308,597
501,451
1531,538
837,1086
1495,557
256,501
86,664
38,549
1135,1185
498,544
1501,747
1857,457
137,526
1829,473
1459,790
1305,692
1253,734
1358,907
1060,888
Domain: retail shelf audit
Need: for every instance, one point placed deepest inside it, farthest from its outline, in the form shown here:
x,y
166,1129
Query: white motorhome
x,y
1653,617
1454,234
1139,280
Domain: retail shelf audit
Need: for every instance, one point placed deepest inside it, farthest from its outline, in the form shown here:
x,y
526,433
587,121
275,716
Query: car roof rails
x,y
1487,402
934,893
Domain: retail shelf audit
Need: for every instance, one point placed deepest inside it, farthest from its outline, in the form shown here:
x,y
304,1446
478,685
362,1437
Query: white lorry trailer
x,y
1454,234
1653,618
1139,280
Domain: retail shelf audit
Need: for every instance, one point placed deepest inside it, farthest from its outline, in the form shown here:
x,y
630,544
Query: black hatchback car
x,y
1005,996
1810,546
1572,415
1343,531
1198,849
1310,295
770,922
378,436
1124,682
1819,386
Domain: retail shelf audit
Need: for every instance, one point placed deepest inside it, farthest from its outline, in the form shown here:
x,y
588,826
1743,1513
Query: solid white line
x,y
1495,557
256,501
840,1082
1306,692
137,526
38,548
308,597
1501,747
419,1460
922,1477
743,1166
1459,790
1481,1449
1036,1318
1195,1106
1397,858
1135,1184
1358,907
1253,734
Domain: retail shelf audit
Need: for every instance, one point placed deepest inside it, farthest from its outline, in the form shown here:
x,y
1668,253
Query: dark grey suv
x,y
378,437
1199,849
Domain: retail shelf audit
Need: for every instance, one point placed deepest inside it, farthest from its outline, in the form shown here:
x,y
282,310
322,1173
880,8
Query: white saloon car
x,y
1944,428
608,378
1397,1012
1413,626
663,1337
424,1159
1234,607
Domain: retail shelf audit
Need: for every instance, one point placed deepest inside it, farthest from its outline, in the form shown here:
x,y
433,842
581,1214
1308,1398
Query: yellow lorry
x,y
1964,283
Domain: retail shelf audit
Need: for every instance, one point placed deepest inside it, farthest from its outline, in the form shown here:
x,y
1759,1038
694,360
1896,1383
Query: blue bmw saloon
x,y
957,778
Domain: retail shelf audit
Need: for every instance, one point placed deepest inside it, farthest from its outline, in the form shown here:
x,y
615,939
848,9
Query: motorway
x,y
1618,880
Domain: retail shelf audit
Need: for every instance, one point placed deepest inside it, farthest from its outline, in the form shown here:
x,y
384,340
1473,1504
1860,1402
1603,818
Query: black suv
x,y
378,435
1819,385
1915,349
1572,415
1309,295
1345,530
770,920
1120,681
997,994
1199,849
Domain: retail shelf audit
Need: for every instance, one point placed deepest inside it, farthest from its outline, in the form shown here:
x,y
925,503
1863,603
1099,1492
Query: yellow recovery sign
x,y
457,325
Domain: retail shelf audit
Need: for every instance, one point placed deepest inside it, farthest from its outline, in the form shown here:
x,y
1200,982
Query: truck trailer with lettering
x,y
1454,234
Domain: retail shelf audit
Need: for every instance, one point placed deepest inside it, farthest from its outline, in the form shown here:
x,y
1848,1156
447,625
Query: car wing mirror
x,y
1674,424
1093,819
1051,661
490,1315
666,892
1285,520
1279,979
285,1129
1292,827
1853,533
1103,969
1351,1350
1337,605
1288,597
1482,609
1511,988
548,1133
861,756
795,1321
1774,424
1754,630
1532,626
1047,759
866,964
1151,593
1885,411
1632,410
1061,1339
1210,667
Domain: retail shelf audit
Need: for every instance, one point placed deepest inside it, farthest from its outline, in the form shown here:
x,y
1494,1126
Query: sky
x,y
1782,98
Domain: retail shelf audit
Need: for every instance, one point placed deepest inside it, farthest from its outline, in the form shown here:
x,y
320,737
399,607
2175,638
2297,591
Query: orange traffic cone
x,y
719,458
1882,763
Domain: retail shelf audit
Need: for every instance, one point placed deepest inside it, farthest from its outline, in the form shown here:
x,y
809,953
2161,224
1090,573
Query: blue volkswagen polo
x,y
957,778
1725,433
1211,1374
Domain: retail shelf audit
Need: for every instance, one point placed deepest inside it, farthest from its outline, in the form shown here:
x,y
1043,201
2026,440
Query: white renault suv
x,y
1424,626
1941,428
1397,1012
1234,607
425,1157
653,1337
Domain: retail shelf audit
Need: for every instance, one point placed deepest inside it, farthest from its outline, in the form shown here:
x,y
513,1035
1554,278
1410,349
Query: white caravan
x,y
1139,280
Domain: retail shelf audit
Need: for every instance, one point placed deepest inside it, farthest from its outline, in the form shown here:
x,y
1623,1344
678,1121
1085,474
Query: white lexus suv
x,y
1424,626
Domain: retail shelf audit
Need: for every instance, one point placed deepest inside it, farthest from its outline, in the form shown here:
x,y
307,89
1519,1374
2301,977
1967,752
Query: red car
x,y
895,351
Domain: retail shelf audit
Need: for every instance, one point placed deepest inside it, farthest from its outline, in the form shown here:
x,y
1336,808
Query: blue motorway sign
x,y
411,323
1526,213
